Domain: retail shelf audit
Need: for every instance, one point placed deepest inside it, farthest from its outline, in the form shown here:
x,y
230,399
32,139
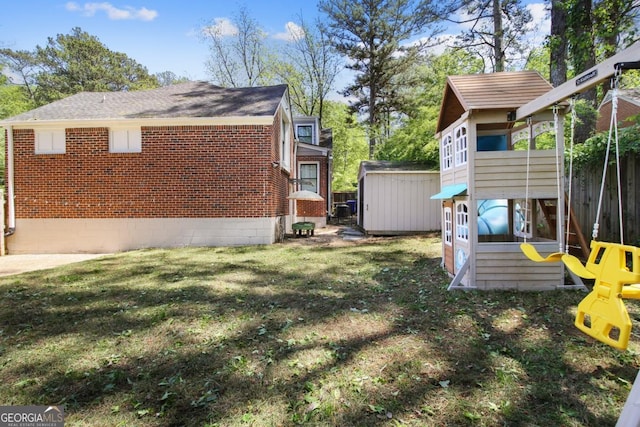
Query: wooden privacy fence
x,y
585,193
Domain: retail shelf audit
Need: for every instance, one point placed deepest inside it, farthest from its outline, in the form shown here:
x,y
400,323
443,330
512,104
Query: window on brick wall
x,y
125,140
309,177
50,141
285,143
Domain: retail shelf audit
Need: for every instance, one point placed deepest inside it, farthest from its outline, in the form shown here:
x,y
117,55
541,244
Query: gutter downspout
x,y
10,191
294,175
329,187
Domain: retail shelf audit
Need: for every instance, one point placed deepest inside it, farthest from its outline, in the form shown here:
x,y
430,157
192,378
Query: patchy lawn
x,y
314,334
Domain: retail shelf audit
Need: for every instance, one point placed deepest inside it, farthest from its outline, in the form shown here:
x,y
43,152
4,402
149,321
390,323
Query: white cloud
x,y
292,31
540,24
221,27
114,13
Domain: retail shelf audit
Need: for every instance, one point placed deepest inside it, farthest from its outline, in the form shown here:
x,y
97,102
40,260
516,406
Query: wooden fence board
x,y
585,193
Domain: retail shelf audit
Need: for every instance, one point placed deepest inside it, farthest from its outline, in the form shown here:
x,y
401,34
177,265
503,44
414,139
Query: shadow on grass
x,y
284,335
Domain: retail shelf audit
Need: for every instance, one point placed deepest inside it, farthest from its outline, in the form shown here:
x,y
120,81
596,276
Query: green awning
x,y
450,191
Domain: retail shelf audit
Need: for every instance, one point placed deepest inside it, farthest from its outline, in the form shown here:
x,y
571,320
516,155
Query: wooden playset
x,y
504,207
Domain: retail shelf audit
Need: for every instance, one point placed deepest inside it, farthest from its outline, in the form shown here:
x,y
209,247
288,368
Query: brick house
x,y
628,108
313,162
186,165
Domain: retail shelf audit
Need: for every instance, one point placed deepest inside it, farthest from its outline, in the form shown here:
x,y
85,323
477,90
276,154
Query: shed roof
x,y
395,166
185,100
495,91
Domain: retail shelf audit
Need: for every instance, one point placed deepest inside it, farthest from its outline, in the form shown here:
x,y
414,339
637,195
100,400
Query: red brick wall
x,y
183,171
279,176
311,208
626,110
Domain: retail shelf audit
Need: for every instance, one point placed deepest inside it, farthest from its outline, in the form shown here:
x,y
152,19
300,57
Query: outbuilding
x,y
394,198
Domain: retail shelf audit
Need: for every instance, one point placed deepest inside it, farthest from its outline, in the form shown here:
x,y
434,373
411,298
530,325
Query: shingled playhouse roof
x,y
185,100
494,91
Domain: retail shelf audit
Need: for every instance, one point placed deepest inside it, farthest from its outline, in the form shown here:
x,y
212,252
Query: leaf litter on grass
x,y
332,333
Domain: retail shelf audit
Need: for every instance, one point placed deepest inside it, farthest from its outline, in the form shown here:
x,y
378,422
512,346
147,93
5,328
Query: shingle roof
x,y
185,100
396,166
505,90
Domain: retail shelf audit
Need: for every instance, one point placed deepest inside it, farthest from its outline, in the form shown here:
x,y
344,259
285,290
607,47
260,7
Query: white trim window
x,y
309,173
447,152
448,226
462,222
461,145
305,133
285,143
125,140
50,141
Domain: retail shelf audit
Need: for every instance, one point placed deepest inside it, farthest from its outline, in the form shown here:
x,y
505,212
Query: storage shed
x,y
394,198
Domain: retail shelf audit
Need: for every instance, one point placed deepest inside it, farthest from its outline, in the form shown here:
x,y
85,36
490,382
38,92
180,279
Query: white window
x,y
285,143
305,133
309,177
462,222
522,220
447,152
50,141
461,145
448,226
125,140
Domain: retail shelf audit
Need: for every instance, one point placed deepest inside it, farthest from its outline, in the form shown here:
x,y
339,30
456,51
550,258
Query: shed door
x,y
447,235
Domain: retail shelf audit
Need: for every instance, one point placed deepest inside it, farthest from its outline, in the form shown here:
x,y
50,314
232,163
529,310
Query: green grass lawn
x,y
350,335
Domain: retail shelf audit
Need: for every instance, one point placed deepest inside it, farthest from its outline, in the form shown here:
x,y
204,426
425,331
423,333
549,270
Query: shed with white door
x,y
394,198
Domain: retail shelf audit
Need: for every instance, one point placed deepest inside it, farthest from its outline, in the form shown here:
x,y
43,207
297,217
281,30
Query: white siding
x,y
504,266
503,174
400,203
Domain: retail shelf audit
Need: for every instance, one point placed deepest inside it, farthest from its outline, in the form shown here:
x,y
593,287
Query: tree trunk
x,y
583,55
558,63
498,33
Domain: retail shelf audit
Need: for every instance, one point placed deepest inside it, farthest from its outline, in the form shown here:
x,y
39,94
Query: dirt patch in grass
x,y
314,331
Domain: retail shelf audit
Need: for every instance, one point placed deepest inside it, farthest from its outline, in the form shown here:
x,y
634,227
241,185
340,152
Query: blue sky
x,y
162,35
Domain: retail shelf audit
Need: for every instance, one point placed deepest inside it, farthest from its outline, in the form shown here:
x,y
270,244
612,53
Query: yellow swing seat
x,y
602,314
532,253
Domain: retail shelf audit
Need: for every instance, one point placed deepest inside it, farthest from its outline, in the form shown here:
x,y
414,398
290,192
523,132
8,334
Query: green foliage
x,y
538,60
415,140
168,78
14,100
373,35
349,145
594,149
79,62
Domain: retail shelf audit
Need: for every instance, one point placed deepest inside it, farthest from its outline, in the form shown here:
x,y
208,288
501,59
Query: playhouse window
x,y
309,177
462,222
50,141
448,226
125,140
447,152
461,145
522,218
